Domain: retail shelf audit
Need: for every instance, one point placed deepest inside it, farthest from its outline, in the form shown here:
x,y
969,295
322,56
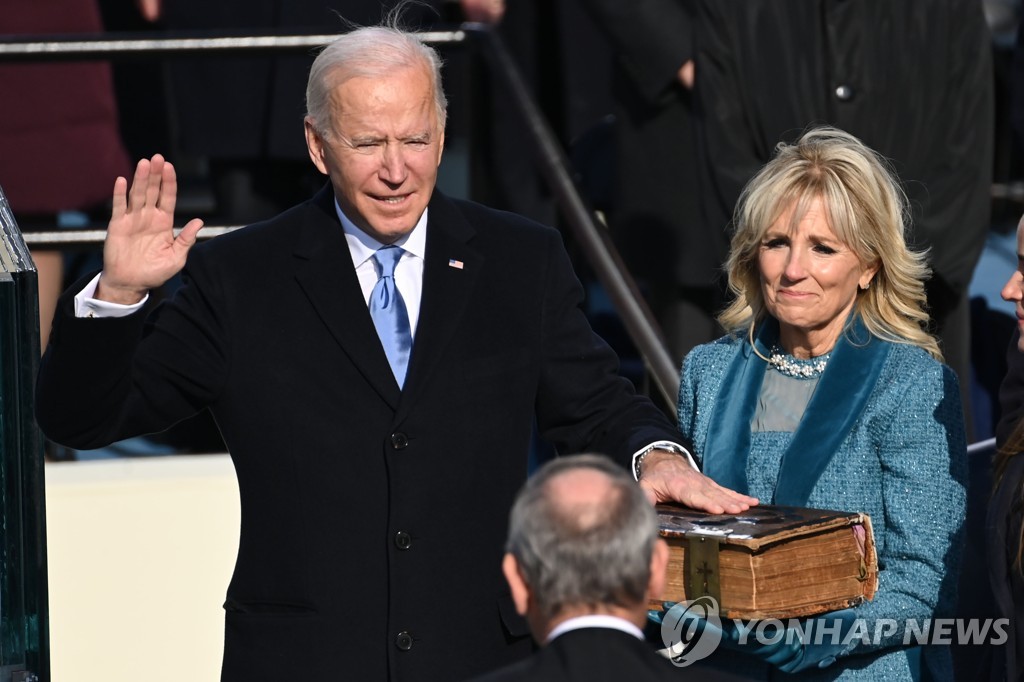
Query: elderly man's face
x,y
381,149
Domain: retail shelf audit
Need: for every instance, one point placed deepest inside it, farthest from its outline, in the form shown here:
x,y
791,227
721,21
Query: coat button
x,y
399,441
844,93
403,540
403,641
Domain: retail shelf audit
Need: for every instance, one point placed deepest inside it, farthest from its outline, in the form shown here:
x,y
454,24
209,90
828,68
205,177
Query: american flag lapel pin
x,y
457,264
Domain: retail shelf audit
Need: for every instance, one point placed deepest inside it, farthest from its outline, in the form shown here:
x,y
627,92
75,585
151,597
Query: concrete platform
x,y
140,555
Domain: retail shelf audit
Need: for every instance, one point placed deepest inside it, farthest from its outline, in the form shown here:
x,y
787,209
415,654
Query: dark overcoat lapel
x,y
328,279
446,291
333,289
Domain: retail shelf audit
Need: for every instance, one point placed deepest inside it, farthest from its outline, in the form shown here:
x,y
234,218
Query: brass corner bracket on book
x,y
703,575
770,561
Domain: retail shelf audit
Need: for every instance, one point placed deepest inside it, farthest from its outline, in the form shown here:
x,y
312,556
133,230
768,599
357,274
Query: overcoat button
x,y
403,641
399,441
403,540
844,93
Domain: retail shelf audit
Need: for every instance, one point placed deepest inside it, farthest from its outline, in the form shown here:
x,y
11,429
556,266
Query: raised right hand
x,y
141,252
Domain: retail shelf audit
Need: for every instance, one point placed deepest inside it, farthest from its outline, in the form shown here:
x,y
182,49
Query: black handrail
x,y
551,159
594,239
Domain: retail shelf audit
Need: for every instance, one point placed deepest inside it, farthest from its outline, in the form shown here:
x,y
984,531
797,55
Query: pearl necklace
x,y
795,367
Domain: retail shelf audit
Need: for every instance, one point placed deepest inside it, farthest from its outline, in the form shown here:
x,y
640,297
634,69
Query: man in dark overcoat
x,y
375,359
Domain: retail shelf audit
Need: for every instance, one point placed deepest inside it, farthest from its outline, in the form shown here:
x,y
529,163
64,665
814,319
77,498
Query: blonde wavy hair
x,y
867,210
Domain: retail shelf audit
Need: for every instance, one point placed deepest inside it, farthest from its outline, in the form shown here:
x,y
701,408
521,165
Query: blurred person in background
x,y
914,83
655,213
57,110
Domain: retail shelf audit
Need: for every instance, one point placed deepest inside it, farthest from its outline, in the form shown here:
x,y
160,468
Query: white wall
x,y
140,555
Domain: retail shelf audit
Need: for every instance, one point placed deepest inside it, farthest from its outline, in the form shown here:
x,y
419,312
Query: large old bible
x,y
770,561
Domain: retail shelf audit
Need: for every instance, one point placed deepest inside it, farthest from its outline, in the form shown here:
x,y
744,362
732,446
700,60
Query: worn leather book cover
x,y
770,561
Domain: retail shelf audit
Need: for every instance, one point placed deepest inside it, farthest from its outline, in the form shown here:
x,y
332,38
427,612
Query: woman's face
x,y
809,279
1013,290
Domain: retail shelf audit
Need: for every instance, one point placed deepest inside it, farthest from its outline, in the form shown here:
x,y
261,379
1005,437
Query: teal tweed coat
x,y
890,444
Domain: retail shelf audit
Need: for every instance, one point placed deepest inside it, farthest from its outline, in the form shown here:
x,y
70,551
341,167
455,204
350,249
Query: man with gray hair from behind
x,y
582,559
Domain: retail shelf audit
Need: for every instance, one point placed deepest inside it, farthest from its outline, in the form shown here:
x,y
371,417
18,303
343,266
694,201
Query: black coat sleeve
x,y
104,380
652,39
583,404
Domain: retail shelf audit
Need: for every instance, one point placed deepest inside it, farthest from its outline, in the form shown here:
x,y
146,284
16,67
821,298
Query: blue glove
x,y
689,631
655,616
822,642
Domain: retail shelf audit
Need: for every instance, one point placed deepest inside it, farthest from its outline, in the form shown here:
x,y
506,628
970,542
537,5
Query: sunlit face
x,y
809,280
382,150
1013,290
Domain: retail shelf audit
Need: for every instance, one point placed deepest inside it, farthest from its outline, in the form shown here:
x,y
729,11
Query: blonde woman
x,y
830,393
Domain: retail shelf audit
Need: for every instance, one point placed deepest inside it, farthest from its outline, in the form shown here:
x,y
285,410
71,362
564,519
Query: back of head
x,y
583,545
866,208
370,52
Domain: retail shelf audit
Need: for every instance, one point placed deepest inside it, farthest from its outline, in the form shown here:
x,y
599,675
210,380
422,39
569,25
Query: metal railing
x,y
104,46
549,155
1011,191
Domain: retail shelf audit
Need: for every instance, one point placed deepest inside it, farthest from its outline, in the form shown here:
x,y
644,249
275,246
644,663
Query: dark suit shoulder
x,y
481,221
272,231
485,214
303,230
590,655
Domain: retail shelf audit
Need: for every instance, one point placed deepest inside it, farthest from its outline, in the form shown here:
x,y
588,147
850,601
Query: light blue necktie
x,y
389,314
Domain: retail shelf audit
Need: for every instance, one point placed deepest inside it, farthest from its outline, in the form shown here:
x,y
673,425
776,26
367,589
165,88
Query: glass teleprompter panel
x,y
24,634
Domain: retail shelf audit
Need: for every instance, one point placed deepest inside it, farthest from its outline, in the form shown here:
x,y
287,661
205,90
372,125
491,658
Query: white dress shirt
x,y
595,621
408,272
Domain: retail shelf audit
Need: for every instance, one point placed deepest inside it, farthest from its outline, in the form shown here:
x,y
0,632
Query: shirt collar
x,y
362,246
595,621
